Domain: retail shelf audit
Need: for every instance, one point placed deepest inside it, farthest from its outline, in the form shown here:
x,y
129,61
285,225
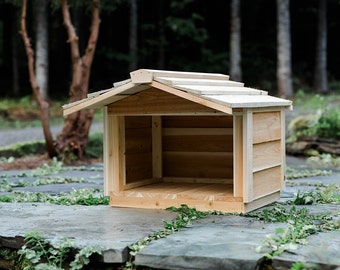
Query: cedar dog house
x,y
173,138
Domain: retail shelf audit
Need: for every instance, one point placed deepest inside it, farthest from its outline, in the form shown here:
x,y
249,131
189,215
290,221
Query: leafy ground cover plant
x,y
82,197
39,254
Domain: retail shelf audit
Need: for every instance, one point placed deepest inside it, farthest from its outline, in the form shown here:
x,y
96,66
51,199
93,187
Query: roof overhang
x,y
209,89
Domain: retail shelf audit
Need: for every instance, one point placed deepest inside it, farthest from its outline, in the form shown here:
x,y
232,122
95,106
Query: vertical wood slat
x,y
283,148
238,156
247,155
157,146
117,147
107,152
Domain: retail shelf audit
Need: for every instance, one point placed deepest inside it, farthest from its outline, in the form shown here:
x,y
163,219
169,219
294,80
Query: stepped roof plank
x,y
209,89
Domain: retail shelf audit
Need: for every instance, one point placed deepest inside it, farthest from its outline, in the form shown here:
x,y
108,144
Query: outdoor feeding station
x,y
199,139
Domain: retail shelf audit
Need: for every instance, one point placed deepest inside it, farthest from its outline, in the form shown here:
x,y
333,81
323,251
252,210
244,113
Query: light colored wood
x,y
283,149
198,164
225,121
220,90
107,152
197,131
147,75
173,81
197,180
198,143
266,126
247,101
141,183
266,182
247,132
266,155
98,93
238,156
163,203
107,97
260,202
204,197
193,98
156,102
117,124
117,84
157,163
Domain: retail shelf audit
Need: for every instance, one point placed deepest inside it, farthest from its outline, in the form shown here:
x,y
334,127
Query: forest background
x,y
182,35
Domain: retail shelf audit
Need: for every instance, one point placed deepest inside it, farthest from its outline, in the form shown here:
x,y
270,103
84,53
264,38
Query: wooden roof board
x,y
248,101
201,82
147,75
219,90
221,97
106,98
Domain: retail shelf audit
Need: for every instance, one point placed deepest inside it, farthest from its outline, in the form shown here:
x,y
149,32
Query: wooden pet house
x,y
173,138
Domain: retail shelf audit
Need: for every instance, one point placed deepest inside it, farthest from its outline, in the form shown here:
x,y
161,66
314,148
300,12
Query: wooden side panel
x,y
156,102
247,170
197,147
114,154
266,155
197,122
267,182
197,164
138,148
107,152
266,126
238,155
157,147
199,143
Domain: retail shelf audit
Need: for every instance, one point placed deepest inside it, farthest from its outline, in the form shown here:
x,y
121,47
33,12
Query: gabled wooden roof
x,y
209,89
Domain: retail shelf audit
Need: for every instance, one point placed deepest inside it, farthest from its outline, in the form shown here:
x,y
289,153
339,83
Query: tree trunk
x,y
133,38
73,138
235,41
43,104
284,70
41,47
320,73
14,53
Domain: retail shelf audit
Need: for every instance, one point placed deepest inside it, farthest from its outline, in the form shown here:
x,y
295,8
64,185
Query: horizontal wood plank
x,y
266,182
147,75
138,167
155,102
266,154
198,164
266,126
198,143
197,121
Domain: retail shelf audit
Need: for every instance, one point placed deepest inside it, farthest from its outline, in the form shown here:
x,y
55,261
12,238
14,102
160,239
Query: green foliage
x,y
301,224
76,197
328,195
292,173
39,254
94,147
23,149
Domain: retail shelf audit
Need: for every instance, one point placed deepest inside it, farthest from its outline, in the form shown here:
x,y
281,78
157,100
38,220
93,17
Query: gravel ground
x,y
13,136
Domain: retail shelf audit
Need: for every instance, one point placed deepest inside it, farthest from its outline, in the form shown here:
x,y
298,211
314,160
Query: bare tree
x,y
74,136
41,47
43,104
284,69
235,41
320,73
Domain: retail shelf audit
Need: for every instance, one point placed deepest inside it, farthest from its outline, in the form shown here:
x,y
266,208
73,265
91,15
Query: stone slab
x,y
111,228
229,242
